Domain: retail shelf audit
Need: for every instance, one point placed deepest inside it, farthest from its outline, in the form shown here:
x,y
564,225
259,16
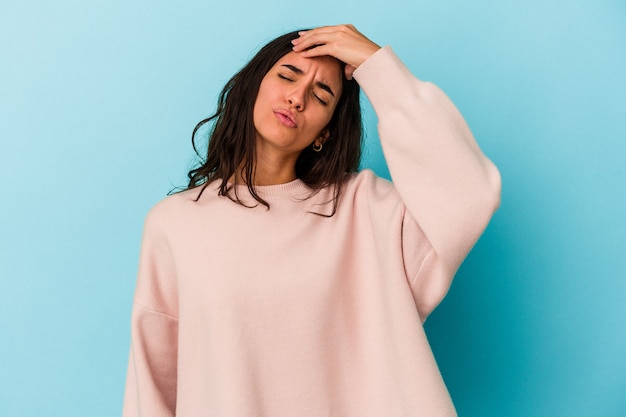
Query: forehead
x,y
323,68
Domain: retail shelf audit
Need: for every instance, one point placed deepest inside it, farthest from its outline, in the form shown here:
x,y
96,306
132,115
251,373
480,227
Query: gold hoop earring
x,y
317,148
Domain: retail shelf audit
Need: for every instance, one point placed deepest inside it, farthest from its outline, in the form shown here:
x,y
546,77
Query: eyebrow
x,y
320,84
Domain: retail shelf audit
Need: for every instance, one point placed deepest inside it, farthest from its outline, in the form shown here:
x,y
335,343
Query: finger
x,y
321,29
351,52
311,40
319,50
307,35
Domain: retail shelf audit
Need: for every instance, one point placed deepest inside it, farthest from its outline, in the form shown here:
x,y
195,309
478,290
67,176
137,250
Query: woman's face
x,y
296,100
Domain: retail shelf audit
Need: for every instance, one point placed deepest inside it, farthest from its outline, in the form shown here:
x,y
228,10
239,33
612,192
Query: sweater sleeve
x,y
449,187
152,368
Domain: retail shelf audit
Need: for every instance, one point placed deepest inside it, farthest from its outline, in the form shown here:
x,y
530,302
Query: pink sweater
x,y
248,312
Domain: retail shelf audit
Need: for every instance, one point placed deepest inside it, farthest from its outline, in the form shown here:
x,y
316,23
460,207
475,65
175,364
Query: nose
x,y
297,98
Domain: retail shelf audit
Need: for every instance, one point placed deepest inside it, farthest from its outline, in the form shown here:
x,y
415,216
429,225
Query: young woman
x,y
284,283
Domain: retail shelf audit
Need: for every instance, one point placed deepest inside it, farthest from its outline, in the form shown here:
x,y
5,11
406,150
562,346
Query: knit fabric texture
x,y
243,312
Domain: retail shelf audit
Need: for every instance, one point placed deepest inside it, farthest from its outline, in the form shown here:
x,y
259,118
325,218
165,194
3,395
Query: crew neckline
x,y
295,188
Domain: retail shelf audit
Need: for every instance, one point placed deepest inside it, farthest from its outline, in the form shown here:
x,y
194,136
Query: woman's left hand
x,y
343,42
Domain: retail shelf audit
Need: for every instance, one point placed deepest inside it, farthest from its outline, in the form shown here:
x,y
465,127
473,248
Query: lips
x,y
285,117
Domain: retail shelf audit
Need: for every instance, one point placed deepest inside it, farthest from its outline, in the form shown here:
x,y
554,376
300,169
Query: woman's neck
x,y
269,171
274,167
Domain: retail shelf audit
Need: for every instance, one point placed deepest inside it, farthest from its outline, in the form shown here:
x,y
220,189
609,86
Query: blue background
x,y
97,103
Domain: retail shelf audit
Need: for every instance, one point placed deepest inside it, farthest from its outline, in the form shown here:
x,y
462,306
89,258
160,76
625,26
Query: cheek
x,y
255,111
261,103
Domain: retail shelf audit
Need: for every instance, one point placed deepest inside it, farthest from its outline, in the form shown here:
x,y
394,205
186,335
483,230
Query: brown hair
x,y
232,138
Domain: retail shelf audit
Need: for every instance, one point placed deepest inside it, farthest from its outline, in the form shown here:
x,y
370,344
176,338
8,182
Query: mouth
x,y
285,117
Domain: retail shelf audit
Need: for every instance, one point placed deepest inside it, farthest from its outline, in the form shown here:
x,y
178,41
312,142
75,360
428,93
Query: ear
x,y
323,136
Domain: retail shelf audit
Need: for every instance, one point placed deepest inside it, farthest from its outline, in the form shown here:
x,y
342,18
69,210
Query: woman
x,y
282,282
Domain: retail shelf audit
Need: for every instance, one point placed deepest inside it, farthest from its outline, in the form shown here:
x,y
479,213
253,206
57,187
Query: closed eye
x,y
284,78
320,99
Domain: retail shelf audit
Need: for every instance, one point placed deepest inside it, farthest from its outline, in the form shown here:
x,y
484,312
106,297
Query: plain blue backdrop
x,y
97,103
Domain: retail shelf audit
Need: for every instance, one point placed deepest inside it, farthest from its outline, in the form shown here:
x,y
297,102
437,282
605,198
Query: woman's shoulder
x,y
179,206
366,181
367,187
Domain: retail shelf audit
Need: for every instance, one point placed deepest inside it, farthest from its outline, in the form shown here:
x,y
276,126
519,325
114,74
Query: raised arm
x,y
448,185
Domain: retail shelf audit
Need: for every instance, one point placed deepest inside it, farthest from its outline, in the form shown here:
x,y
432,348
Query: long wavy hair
x,y
232,136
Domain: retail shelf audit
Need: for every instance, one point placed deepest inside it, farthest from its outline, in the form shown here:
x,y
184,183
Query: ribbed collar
x,y
292,189
293,192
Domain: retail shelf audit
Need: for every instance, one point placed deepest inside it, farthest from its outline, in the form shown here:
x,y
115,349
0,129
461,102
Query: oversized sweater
x,y
250,312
